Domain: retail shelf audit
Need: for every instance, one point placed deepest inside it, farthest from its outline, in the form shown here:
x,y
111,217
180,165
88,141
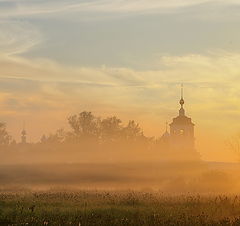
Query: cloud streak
x,y
25,8
17,37
214,73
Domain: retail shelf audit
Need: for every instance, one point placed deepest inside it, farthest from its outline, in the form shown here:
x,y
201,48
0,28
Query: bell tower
x,y
182,130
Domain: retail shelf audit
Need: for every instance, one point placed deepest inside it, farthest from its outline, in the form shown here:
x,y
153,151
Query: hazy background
x,y
124,58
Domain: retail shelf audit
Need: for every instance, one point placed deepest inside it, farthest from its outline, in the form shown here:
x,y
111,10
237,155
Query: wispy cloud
x,y
213,73
15,8
17,37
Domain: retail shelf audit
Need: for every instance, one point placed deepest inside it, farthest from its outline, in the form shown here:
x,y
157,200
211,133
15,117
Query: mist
x,y
104,153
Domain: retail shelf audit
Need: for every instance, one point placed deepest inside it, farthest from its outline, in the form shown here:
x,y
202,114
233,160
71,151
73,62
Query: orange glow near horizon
x,y
99,63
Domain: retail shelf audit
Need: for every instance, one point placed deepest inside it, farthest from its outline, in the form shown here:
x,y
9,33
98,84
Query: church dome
x,y
181,101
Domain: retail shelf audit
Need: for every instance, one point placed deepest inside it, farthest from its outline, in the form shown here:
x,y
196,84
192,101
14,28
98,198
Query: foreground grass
x,y
117,208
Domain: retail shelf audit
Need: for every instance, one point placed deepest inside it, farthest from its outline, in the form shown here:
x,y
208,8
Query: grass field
x,y
117,208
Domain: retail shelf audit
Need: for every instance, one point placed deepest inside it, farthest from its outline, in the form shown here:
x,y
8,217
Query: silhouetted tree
x,y
111,129
85,125
58,137
132,131
90,133
5,138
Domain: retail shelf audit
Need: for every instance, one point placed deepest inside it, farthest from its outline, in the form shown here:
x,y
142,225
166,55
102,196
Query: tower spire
x,y
24,134
182,91
181,111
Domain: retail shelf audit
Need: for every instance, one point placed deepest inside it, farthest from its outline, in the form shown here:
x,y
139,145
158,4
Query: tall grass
x,y
117,208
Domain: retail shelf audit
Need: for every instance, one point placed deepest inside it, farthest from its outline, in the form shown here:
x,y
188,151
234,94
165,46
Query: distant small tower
x,y
165,139
24,136
182,130
166,135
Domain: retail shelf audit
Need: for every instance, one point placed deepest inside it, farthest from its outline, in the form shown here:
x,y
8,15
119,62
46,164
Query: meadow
x,y
109,208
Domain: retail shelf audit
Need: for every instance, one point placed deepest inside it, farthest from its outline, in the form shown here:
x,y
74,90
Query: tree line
x,y
88,128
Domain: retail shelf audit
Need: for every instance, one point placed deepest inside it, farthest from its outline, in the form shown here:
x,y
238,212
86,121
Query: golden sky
x,y
124,58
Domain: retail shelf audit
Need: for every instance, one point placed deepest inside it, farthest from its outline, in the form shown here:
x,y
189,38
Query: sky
x,y
125,58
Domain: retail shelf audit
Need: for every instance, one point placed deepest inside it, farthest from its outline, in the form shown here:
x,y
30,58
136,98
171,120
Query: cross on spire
x,y
182,91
